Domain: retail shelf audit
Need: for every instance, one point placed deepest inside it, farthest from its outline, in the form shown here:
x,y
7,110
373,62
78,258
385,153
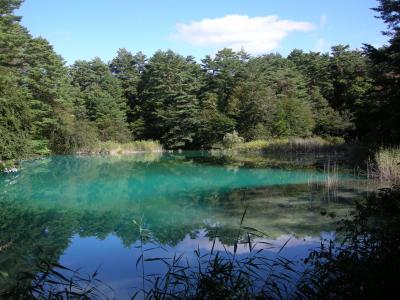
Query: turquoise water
x,y
83,211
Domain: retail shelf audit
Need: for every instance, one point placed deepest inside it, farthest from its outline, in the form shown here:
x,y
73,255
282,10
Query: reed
x,y
329,183
387,165
307,145
291,145
223,274
54,281
332,176
365,265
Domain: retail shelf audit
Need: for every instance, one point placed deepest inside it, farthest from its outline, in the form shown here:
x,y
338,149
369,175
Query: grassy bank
x,y
109,147
288,145
386,165
114,148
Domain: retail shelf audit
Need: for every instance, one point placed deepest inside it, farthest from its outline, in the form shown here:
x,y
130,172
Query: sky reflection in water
x,y
81,210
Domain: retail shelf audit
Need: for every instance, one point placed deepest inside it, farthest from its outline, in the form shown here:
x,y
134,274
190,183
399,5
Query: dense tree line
x,y
47,107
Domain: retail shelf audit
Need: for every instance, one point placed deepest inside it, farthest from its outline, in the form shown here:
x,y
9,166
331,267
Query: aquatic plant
x,y
366,264
331,176
53,281
221,274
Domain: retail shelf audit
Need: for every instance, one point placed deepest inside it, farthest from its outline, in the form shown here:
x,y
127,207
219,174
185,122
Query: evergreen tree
x,y
45,106
282,76
223,72
15,112
103,99
316,69
47,79
15,118
289,105
293,118
128,68
351,83
36,94
255,102
169,99
213,124
380,117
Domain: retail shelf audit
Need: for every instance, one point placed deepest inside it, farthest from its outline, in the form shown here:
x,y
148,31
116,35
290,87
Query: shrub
x,y
366,265
252,146
81,137
293,118
8,164
231,139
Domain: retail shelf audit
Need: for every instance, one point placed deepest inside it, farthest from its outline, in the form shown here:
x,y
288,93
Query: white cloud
x,y
254,34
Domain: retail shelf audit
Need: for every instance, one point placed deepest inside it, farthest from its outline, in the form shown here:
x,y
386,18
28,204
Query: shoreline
x,y
118,152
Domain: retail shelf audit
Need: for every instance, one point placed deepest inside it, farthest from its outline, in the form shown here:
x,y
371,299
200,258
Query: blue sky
x,y
83,29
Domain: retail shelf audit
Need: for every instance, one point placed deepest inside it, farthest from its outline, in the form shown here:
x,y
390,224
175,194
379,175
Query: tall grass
x,y
220,274
306,145
332,177
53,281
290,145
365,265
387,164
114,148
252,146
330,182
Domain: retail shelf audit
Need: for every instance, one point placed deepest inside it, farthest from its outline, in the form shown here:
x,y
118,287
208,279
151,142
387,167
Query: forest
x,y
297,199
49,107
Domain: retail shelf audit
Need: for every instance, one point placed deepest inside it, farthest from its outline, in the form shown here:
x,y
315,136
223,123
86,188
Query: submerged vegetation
x,y
181,198
311,110
362,263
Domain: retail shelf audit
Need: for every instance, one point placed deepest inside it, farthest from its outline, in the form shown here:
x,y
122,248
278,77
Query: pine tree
x,y
128,68
103,99
380,117
316,69
169,101
15,113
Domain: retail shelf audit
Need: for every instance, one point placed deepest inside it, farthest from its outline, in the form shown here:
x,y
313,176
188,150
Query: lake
x,y
86,212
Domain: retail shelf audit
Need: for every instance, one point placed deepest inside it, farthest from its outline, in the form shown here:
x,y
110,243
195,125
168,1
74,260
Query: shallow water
x,y
84,211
